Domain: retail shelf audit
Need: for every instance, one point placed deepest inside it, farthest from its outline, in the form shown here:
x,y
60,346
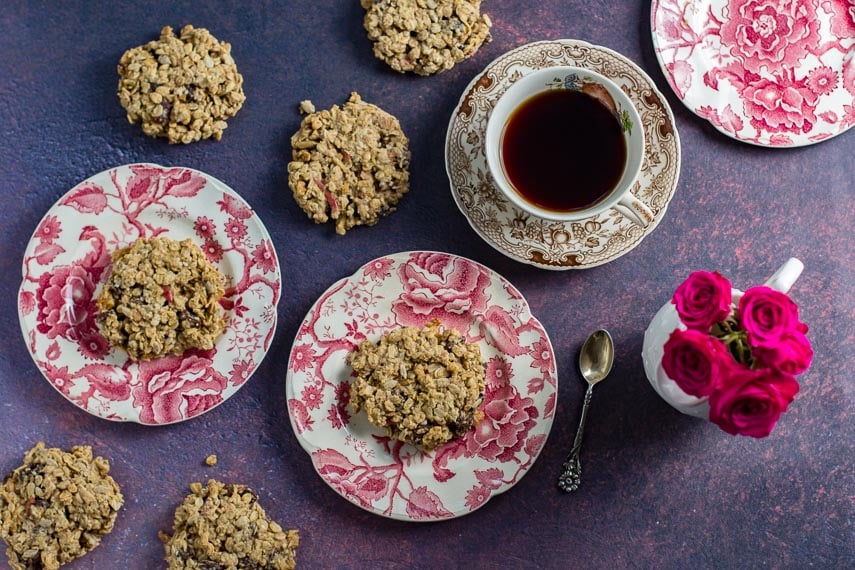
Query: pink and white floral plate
x,y
387,477
68,259
530,239
777,73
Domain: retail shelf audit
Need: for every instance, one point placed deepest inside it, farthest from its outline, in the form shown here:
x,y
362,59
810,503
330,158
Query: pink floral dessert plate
x,y
580,244
68,259
777,73
398,480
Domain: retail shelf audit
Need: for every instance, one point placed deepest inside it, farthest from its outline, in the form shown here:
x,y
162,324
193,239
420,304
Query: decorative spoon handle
x,y
571,476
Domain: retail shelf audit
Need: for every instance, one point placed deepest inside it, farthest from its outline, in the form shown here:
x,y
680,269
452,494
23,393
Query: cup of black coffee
x,y
566,143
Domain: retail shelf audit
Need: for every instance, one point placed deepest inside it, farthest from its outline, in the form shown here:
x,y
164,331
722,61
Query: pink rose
x,y
695,361
792,354
751,401
702,300
770,33
767,315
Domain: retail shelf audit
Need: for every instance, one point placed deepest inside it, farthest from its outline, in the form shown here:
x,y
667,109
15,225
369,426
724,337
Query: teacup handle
x,y
635,210
786,275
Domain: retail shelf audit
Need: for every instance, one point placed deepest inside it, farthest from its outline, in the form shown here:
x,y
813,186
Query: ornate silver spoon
x,y
595,363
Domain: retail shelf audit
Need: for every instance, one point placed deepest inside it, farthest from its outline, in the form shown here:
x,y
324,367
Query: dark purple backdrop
x,y
661,489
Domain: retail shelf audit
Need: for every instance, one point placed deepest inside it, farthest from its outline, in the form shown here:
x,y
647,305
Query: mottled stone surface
x,y
660,489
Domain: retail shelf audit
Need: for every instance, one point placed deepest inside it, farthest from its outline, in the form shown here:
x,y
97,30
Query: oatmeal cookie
x,y
422,385
349,164
56,507
182,88
425,36
162,297
223,526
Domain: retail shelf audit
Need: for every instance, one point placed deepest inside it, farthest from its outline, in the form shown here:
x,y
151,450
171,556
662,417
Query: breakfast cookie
x,y
223,526
422,385
349,164
56,507
182,88
162,297
425,36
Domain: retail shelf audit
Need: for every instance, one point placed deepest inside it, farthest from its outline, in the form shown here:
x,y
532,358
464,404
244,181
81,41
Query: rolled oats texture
x,y
183,87
222,526
425,36
56,507
161,297
349,164
422,385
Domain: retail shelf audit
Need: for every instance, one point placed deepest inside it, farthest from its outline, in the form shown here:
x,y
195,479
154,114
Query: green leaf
x,y
626,122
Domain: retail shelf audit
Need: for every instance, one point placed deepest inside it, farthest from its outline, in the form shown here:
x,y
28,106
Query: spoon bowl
x,y
597,356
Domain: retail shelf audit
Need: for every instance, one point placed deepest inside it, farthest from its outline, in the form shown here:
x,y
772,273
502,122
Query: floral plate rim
x,y
333,439
707,107
127,410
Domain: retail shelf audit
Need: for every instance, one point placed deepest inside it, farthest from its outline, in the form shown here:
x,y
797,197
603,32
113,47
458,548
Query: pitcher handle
x,y
786,275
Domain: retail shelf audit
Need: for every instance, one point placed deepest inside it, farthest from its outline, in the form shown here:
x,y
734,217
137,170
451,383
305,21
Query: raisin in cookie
x,y
422,385
349,164
56,507
162,297
182,88
223,526
425,36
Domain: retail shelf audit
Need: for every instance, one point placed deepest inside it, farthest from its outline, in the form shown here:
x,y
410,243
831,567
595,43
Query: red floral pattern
x,y
204,227
66,303
507,420
439,286
822,81
49,229
378,269
842,17
69,254
780,105
766,72
770,34
264,257
387,477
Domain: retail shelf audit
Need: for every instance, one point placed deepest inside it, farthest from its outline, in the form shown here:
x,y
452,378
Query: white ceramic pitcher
x,y
667,320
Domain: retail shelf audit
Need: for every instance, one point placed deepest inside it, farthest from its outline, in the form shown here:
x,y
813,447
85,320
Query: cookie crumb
x,y
211,460
56,507
307,107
